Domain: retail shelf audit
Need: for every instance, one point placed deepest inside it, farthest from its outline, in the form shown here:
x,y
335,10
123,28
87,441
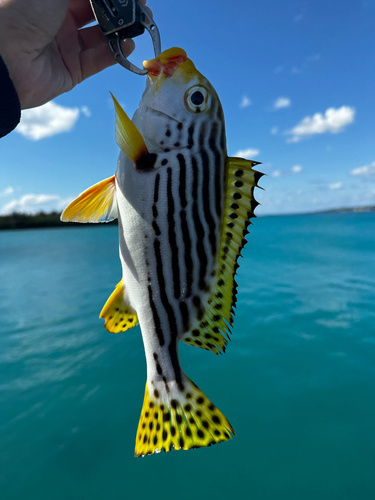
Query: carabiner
x,y
120,19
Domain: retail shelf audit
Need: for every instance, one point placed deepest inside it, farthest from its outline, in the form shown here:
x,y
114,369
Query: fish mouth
x,y
166,63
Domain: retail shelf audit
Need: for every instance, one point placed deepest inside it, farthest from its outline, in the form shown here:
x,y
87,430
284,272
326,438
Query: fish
x,y
183,208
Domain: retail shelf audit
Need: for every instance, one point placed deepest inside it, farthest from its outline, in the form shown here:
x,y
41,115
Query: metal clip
x,y
120,19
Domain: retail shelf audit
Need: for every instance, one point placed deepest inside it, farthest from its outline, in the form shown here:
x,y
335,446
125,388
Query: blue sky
x,y
296,81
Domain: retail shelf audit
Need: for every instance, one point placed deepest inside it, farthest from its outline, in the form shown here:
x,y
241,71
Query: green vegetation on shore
x,y
52,219
39,220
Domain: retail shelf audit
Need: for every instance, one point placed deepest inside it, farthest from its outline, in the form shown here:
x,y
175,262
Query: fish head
x,y
179,104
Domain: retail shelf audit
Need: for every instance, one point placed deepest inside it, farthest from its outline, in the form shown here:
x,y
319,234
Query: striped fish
x,y
183,209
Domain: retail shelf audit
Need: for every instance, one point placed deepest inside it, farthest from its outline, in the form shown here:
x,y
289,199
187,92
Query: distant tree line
x,y
42,219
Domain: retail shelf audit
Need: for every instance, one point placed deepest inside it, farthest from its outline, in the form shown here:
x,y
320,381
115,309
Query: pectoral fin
x,y
96,204
128,136
118,314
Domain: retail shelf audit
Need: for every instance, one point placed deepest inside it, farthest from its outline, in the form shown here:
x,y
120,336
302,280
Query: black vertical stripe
x,y
156,188
170,313
218,168
206,189
202,134
191,135
222,139
194,167
206,200
182,186
172,348
159,331
156,228
184,226
202,257
189,266
172,236
156,195
185,316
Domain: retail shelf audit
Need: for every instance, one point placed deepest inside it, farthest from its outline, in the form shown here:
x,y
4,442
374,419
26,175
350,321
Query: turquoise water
x,y
297,381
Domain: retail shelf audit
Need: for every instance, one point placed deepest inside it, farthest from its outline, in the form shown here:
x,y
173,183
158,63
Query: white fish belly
x,y
169,239
135,196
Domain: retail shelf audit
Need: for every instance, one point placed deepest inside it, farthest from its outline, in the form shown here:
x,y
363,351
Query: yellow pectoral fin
x,y
96,204
118,314
128,136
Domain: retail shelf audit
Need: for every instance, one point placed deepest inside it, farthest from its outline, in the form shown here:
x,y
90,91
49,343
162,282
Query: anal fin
x,y
118,314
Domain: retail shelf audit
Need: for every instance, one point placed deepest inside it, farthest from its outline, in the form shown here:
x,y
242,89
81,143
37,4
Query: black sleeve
x,y
10,108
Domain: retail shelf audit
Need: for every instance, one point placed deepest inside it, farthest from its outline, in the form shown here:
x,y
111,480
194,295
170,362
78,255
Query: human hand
x,y
45,50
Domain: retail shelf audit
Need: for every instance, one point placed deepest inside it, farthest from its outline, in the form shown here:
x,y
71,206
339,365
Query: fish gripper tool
x,y
120,19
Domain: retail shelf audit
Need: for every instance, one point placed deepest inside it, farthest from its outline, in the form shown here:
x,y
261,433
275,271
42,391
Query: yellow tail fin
x,y
180,420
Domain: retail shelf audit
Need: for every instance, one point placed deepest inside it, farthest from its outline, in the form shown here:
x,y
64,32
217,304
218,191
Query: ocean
x,y
297,381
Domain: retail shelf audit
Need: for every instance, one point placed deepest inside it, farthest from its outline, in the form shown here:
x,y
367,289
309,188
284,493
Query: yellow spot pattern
x,y
191,421
118,314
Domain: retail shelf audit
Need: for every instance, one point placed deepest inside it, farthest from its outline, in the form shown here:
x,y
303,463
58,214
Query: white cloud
x,y
313,57
335,185
365,170
85,110
298,17
296,71
282,102
297,169
246,102
48,120
274,130
32,203
247,153
333,122
278,70
7,191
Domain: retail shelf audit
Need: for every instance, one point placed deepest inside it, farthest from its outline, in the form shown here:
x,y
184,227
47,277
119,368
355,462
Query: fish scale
x,y
183,209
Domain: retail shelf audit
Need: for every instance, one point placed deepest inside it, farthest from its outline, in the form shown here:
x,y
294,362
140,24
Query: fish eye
x,y
197,99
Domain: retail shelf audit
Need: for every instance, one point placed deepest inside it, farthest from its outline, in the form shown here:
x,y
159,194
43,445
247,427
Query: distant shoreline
x,y
52,219
37,221
344,210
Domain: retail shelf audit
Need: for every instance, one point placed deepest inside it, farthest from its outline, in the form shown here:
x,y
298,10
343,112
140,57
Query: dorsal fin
x,y
96,204
213,330
118,314
128,136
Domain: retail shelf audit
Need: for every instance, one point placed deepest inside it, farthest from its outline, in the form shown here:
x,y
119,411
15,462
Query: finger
x,y
81,11
100,57
150,12
90,37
